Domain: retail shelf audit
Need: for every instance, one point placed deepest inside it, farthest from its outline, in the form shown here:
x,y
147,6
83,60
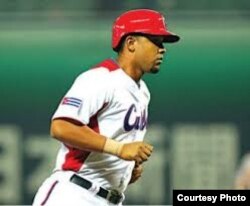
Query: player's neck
x,y
129,68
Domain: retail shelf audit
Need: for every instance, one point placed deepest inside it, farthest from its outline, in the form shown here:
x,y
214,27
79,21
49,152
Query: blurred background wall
x,y
199,113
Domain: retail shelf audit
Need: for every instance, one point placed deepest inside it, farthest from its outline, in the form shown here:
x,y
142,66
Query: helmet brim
x,y
171,38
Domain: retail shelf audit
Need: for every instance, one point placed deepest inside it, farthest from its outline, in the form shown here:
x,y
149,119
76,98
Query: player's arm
x,y
77,135
136,173
83,137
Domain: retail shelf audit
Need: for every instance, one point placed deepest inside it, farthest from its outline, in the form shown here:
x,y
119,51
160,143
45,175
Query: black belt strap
x,y
112,196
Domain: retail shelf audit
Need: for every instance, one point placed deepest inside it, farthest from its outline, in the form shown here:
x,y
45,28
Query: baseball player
x,y
101,121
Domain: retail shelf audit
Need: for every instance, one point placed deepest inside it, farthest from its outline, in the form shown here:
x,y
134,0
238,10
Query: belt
x,y
112,196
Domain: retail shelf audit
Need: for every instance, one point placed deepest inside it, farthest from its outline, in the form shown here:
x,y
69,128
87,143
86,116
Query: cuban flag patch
x,y
72,101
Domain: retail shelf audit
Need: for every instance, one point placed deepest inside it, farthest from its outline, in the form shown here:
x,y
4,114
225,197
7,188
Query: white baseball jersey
x,y
111,103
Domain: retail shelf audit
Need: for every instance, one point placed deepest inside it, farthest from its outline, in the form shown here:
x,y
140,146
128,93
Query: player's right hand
x,y
137,151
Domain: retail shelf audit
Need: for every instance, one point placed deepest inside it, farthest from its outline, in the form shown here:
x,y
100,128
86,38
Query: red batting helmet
x,y
143,21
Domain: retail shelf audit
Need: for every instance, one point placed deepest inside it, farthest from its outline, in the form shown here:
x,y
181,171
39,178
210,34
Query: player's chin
x,y
155,69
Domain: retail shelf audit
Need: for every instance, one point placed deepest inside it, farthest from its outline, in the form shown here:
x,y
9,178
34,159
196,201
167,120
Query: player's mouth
x,y
159,61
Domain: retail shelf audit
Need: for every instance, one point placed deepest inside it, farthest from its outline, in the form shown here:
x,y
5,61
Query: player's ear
x,y
130,43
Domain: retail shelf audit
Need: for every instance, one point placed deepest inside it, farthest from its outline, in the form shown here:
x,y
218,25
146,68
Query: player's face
x,y
149,53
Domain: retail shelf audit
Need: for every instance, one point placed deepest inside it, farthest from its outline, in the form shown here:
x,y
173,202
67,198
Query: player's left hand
x,y
136,173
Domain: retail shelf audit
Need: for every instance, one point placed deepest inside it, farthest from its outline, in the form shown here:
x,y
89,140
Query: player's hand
x,y
136,173
137,151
